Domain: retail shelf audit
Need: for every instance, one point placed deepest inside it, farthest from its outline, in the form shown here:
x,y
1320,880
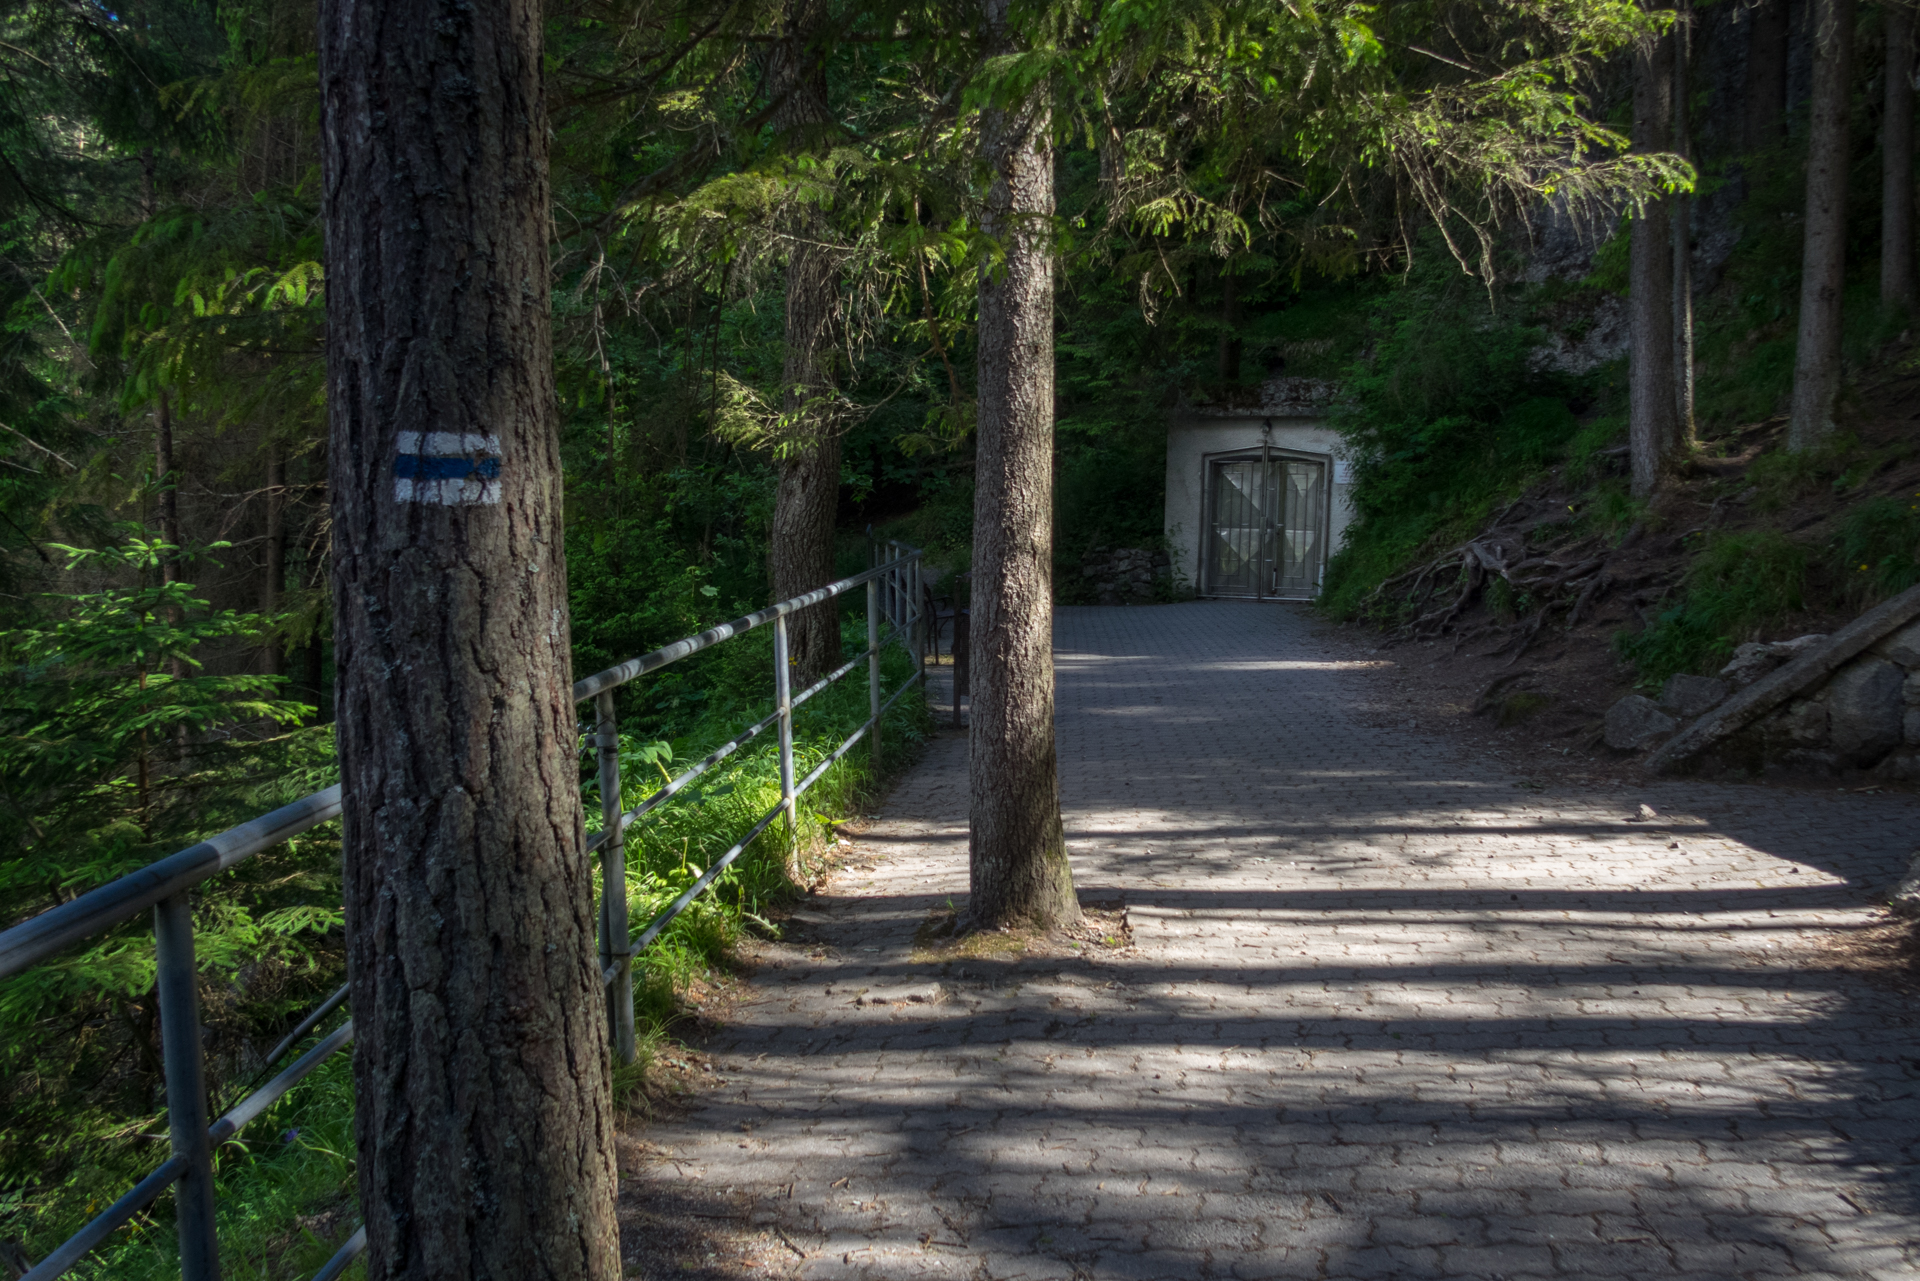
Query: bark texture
x,y
807,498
1018,870
484,1121
1896,164
1816,364
273,572
1652,399
1682,228
1766,74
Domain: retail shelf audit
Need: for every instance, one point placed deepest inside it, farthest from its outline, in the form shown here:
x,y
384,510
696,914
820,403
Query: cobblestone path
x,y
1390,1012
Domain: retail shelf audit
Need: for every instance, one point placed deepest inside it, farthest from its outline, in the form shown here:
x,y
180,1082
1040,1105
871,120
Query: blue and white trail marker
x,y
451,468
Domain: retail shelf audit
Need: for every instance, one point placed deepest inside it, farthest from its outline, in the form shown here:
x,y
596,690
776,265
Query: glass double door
x,y
1266,528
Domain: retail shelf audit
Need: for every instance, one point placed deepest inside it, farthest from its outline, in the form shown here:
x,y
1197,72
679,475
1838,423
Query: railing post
x,y
917,612
182,1055
783,702
873,668
616,930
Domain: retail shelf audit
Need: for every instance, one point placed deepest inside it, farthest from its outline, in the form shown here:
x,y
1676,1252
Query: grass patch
x,y
1737,584
1878,549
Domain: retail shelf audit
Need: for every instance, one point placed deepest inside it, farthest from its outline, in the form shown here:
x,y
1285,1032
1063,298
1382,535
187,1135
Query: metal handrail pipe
x,y
720,864
814,776
618,675
269,1094
692,891
666,793
101,909
107,1222
727,748
355,1246
307,1025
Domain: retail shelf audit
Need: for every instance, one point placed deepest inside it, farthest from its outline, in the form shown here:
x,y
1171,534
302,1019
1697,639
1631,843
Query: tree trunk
x,y
1816,365
1766,74
807,500
168,497
1652,403
483,1116
273,574
1229,349
1683,231
1018,868
1896,164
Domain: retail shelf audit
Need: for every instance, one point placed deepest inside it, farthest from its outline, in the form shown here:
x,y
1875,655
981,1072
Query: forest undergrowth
x,y
1494,511
84,1114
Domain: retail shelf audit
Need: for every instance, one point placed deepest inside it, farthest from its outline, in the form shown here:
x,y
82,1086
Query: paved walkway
x,y
1390,1014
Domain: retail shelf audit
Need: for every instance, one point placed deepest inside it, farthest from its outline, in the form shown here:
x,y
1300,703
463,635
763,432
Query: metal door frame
x,y
1267,453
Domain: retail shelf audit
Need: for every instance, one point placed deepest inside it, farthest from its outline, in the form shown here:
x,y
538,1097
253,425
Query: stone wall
x,y
1126,575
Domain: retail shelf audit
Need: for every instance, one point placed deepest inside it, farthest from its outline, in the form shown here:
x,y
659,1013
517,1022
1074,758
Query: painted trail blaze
x,y
452,468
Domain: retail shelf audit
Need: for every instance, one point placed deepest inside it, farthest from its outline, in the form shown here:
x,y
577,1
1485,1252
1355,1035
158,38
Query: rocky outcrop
x,y
1818,703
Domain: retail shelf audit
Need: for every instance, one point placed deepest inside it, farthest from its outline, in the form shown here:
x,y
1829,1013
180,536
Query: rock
x,y
1634,721
1865,710
1902,766
1910,690
1912,727
1903,647
1688,696
1808,760
919,994
1804,722
1905,900
1756,658
1750,662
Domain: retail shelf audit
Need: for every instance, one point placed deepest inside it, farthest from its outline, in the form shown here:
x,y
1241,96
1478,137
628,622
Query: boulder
x,y
1688,696
1905,900
1756,658
1912,727
1865,711
1750,663
1635,721
1808,760
1910,691
1903,647
1902,766
1804,722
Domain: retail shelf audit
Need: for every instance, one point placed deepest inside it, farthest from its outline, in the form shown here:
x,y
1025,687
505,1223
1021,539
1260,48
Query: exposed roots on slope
x,y
1568,579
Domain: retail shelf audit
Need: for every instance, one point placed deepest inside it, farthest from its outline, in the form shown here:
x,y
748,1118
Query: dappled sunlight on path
x,y
1389,1013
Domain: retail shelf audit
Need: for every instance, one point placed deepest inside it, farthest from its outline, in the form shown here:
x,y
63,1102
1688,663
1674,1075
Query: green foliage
x,y
117,747
1448,417
1878,550
1737,584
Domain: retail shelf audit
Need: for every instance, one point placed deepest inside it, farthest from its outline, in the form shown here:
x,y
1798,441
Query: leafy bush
x,y
1737,584
1449,416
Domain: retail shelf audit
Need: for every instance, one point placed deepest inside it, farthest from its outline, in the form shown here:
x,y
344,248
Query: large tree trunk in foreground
x,y
483,1115
1652,403
1896,164
1816,365
1018,868
807,500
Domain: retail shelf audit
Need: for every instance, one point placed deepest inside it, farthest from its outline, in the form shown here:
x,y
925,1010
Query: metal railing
x,y
893,596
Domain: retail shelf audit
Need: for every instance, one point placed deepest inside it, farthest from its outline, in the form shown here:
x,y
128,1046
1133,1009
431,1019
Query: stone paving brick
x,y
1393,1010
